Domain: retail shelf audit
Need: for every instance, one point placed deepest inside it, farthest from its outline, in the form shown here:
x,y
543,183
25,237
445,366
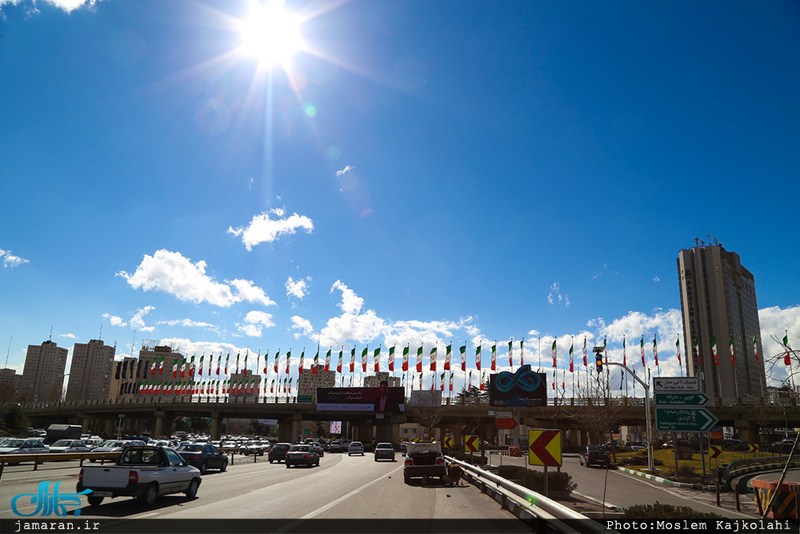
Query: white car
x,y
22,446
356,447
70,445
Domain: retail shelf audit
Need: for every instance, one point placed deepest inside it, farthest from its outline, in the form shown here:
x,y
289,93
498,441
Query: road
x,y
623,490
342,487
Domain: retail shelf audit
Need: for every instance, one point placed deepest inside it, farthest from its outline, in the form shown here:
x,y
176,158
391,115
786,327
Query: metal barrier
x,y
15,459
546,514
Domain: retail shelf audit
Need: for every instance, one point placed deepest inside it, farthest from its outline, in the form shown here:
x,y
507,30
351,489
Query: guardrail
x,y
543,513
738,468
16,459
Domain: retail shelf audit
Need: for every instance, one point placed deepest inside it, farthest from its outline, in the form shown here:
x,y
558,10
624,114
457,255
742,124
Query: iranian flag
x,y
433,358
339,365
678,349
451,381
219,363
328,361
447,353
175,368
227,360
316,362
733,356
478,357
655,351
302,356
755,348
376,359
555,353
494,357
463,351
405,359
161,365
237,363
391,359
483,382
353,360
442,379
641,344
200,369
714,350
153,367
277,356
521,352
419,362
510,353
571,368
288,358
787,358
183,367
364,359
584,351
624,352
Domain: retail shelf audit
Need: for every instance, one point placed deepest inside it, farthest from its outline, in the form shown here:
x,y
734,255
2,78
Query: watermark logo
x,y
49,501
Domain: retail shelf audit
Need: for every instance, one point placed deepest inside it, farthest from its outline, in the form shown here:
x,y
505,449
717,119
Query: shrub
x,y
666,511
684,453
534,480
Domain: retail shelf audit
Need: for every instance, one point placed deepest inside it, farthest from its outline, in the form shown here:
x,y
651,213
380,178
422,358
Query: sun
x,y
270,34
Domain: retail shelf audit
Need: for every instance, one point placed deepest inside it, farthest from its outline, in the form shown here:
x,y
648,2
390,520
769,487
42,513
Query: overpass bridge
x,y
155,416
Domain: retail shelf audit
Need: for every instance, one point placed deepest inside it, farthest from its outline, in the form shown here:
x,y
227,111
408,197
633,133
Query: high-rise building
x,y
373,381
308,382
129,374
10,385
43,374
91,371
721,329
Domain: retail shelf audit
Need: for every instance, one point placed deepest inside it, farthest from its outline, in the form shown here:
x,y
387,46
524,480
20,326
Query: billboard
x,y
336,427
379,400
522,388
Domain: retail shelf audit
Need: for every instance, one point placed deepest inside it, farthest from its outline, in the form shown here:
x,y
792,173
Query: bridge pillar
x,y
285,431
748,432
159,427
216,426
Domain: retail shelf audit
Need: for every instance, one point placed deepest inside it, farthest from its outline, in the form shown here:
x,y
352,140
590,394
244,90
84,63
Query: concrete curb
x,y
654,478
598,501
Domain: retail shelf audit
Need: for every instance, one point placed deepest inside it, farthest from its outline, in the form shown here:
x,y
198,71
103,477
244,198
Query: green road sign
x,y
684,419
681,399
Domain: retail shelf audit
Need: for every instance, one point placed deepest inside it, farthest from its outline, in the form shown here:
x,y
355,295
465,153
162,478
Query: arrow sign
x,y
681,399
714,452
684,419
678,383
472,444
545,447
448,442
506,424
753,448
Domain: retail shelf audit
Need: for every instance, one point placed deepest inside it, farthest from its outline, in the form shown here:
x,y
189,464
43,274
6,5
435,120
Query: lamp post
x,y
119,424
650,463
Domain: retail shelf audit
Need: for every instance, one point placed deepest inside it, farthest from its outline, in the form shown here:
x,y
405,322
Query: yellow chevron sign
x,y
448,442
753,448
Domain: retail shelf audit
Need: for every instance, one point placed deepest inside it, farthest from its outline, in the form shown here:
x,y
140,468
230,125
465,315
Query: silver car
x,y
70,445
356,447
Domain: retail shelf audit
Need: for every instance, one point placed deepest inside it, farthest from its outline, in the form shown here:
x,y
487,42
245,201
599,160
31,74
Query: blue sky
x,y
417,172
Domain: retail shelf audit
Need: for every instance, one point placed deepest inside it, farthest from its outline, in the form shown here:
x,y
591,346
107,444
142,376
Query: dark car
x,y
302,455
278,452
595,455
424,460
203,456
384,451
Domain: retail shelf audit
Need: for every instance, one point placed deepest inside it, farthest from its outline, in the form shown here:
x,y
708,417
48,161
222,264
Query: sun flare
x,y
270,34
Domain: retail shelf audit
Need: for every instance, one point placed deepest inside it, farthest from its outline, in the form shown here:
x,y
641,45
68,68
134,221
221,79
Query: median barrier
x,y
16,459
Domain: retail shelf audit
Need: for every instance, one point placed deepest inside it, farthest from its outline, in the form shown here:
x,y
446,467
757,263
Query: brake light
x,y
133,477
409,461
440,461
308,456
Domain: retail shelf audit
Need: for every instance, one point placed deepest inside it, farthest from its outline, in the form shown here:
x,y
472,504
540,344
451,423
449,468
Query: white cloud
x,y
304,325
351,303
254,322
115,320
10,260
173,274
188,347
776,323
347,169
555,296
263,229
137,321
66,5
297,288
656,279
70,336
189,323
251,293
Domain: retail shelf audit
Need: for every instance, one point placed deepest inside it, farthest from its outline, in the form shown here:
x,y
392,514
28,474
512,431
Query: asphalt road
x,y
342,487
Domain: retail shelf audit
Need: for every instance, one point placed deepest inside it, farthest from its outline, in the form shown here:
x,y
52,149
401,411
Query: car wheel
x,y
224,466
191,491
407,479
150,495
376,458
203,468
94,501
270,460
288,465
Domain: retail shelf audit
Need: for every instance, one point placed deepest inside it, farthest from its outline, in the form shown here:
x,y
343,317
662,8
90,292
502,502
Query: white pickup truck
x,y
144,472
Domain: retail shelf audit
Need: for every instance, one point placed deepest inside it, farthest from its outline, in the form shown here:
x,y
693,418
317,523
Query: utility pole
x,y
649,430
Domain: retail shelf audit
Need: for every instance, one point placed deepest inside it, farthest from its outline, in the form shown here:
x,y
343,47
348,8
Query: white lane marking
x,y
331,504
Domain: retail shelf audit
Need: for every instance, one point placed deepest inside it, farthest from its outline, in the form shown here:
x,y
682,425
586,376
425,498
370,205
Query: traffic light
x,y
599,357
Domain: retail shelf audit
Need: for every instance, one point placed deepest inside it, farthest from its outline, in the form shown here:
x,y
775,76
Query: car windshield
x,y
13,443
594,448
191,448
300,448
356,444
384,446
62,443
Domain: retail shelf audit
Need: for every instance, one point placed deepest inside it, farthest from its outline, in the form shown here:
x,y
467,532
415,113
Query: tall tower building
x,y
718,304
91,371
43,374
308,382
